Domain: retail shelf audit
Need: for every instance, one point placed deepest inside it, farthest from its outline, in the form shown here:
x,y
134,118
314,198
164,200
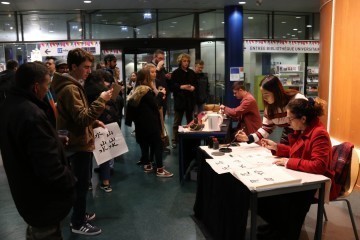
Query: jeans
x,y
44,233
104,170
177,122
80,165
152,148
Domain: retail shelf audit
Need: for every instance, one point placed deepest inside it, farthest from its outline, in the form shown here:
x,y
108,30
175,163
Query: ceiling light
x,y
19,48
147,15
242,3
295,29
299,31
297,17
288,34
98,15
80,29
293,35
308,26
222,22
5,3
51,31
250,18
283,22
87,1
124,29
11,28
284,36
172,26
174,22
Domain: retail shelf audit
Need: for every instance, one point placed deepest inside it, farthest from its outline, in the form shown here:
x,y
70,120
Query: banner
x,y
282,46
109,143
62,48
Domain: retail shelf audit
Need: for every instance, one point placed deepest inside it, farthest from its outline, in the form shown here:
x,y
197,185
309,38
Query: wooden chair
x,y
349,187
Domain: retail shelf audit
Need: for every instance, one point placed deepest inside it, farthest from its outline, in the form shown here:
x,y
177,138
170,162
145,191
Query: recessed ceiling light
x,y
87,1
222,22
172,26
51,31
174,22
11,28
283,22
299,31
80,29
19,48
242,3
295,29
98,15
293,35
5,3
308,26
298,17
250,18
284,36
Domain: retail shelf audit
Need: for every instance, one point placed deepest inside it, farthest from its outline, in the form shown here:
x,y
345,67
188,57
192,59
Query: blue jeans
x,y
80,165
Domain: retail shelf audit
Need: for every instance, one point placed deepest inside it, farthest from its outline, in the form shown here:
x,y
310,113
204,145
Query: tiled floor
x,y
144,207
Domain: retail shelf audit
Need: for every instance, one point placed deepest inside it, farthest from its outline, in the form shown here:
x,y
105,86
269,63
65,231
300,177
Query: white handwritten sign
x,y
109,143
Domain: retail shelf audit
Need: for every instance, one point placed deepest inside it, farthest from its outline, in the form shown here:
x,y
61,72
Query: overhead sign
x,y
281,46
62,48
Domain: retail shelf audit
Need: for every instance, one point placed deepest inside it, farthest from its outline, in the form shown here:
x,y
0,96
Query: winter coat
x,y
39,176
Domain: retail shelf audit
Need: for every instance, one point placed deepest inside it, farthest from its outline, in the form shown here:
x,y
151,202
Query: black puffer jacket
x,y
38,173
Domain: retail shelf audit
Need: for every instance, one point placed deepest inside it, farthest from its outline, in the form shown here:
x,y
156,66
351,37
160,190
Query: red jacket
x,y
310,152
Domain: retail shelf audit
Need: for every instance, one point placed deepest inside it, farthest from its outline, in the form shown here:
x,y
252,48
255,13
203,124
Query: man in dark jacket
x,y
40,180
7,77
183,86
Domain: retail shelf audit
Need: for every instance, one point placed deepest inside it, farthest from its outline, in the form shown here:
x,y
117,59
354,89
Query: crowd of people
x,y
37,99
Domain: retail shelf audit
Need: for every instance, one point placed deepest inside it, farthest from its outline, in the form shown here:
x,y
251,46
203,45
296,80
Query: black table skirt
x,y
222,202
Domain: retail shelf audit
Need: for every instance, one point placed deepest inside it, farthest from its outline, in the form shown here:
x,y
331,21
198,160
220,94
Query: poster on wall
x,y
281,46
62,48
236,74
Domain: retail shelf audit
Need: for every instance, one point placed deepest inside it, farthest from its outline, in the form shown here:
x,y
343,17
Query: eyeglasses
x,y
291,118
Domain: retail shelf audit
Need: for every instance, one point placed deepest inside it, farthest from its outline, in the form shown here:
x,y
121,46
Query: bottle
x,y
215,143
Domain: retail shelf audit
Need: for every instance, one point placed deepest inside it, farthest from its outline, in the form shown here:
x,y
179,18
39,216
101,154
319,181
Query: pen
x,y
240,131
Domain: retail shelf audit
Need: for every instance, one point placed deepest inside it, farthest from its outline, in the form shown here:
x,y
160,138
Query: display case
x,y
312,81
291,76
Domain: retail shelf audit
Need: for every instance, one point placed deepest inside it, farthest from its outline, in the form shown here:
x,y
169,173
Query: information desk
x,y
221,200
186,145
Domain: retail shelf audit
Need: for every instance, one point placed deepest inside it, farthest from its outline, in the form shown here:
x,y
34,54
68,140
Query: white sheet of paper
x,y
109,143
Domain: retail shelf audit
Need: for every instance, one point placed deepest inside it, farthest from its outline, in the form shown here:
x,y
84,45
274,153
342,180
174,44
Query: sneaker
x,y
89,216
86,229
148,168
161,172
173,146
106,188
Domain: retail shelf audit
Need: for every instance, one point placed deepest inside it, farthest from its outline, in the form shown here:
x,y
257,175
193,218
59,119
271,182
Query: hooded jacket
x,y
75,114
38,173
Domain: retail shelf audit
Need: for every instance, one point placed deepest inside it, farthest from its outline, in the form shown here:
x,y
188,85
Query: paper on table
x,y
266,177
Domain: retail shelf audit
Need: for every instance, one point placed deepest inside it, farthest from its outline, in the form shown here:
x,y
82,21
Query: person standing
x,y
7,77
162,76
202,90
61,66
183,82
39,175
79,118
247,113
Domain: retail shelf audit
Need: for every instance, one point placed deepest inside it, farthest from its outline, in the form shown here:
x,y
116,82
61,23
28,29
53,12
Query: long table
x,y
219,197
187,137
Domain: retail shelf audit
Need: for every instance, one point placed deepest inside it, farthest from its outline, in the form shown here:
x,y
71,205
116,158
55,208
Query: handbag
x,y
164,134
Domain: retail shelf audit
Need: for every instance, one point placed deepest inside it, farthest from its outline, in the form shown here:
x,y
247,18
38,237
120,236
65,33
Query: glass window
x,y
290,26
8,31
256,25
115,24
180,27
49,26
211,24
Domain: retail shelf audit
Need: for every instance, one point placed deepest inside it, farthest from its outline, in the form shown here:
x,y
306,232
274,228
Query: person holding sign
x,y
96,83
309,151
79,117
143,110
275,99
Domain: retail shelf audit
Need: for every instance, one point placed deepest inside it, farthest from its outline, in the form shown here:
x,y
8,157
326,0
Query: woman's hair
x,y
143,77
183,56
282,96
311,108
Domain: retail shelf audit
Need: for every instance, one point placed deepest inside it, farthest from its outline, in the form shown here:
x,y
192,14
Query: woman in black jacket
x,y
143,110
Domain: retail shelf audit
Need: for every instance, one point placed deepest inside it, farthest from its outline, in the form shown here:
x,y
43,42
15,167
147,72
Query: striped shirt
x,y
279,120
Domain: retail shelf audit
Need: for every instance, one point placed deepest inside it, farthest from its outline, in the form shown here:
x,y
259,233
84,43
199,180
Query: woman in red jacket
x,y
309,151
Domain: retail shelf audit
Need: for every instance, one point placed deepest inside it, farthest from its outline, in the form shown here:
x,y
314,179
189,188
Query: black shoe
x,y
86,229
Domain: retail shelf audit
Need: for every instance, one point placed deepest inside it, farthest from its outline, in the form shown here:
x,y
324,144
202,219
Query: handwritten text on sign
x,y
109,143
